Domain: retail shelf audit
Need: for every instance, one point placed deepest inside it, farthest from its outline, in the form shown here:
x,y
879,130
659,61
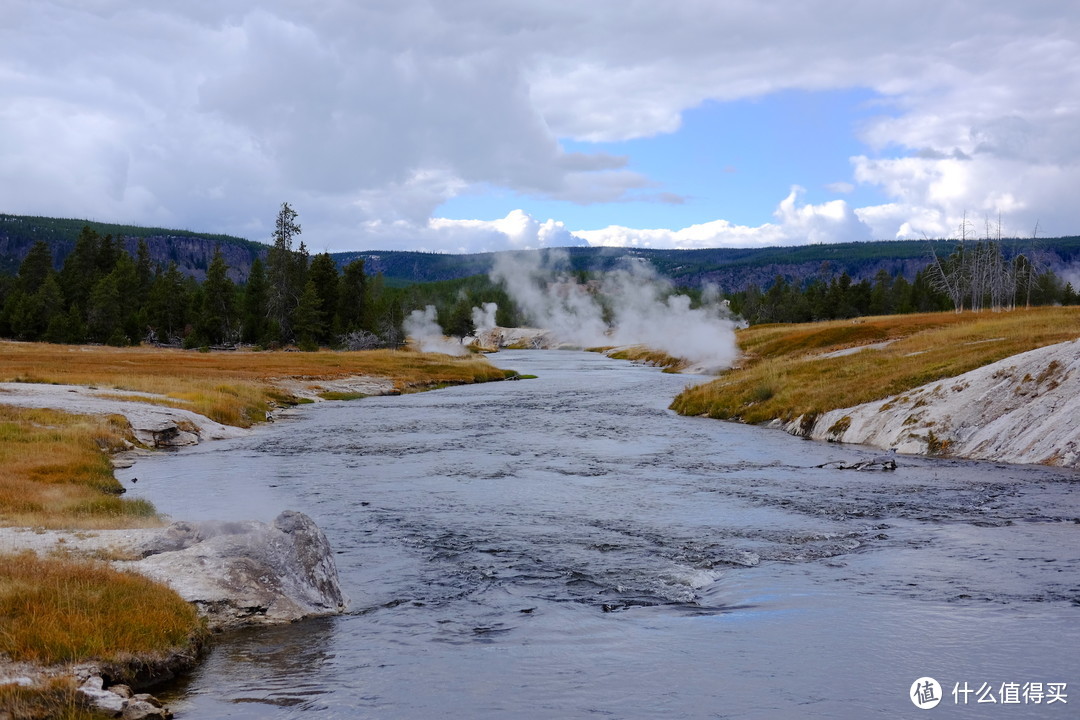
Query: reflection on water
x,y
567,547
277,666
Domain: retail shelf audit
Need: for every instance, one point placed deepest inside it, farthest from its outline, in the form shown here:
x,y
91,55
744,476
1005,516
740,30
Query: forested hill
x,y
730,269
191,251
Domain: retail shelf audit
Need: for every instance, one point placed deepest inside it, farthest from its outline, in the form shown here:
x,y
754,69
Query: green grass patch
x,y
339,395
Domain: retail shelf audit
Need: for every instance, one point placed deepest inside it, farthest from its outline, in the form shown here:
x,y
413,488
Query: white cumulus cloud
x,y
367,116
795,224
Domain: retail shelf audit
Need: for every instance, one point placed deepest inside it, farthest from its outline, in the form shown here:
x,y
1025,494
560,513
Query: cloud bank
x,y
368,116
795,224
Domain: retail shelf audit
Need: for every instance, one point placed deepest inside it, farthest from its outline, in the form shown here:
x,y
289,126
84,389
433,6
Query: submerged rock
x,y
875,464
247,573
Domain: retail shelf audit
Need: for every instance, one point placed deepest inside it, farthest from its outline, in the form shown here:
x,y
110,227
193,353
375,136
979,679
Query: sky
x,y
477,125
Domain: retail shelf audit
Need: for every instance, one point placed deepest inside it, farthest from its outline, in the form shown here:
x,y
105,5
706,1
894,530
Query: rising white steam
x,y
630,306
483,318
426,334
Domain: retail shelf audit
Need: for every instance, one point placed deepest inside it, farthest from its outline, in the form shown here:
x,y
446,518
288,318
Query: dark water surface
x,y
566,547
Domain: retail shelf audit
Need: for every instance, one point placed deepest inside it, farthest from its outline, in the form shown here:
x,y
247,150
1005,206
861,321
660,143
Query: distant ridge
x,y
729,268
191,251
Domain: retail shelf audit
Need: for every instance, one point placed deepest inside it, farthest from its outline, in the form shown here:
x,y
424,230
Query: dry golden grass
x,y
58,700
60,610
649,356
54,471
783,374
233,388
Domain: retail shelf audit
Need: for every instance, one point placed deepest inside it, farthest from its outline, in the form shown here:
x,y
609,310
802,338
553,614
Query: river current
x,y
566,547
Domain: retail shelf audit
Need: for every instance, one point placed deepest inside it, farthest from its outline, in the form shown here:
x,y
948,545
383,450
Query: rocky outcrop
x,y
121,702
247,573
523,338
235,573
1022,409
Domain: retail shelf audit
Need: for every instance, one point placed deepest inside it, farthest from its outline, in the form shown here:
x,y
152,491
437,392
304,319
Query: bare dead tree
x,y
1036,263
977,274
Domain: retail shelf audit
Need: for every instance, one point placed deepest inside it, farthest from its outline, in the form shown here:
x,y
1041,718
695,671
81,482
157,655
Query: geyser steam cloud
x,y
629,306
483,318
424,330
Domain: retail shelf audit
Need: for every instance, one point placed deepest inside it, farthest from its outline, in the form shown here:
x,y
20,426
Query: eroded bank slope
x,y
1023,409
996,386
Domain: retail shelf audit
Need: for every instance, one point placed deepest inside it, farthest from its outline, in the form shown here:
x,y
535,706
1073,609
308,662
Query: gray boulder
x,y
248,573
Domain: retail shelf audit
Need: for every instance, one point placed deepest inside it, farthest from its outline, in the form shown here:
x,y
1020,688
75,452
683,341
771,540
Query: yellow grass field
x,y
233,388
649,356
784,372
60,610
55,471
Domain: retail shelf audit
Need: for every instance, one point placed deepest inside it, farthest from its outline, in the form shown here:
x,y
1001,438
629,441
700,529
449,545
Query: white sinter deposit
x,y
1023,409
153,425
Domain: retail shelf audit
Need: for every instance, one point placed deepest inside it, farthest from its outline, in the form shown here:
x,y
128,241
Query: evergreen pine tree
x,y
323,273
218,307
80,271
308,318
168,305
104,311
352,308
255,327
283,273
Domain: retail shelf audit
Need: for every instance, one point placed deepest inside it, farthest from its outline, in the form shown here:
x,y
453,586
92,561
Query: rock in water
x,y
248,573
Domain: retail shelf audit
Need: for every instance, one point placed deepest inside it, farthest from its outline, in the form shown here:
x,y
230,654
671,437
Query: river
x,y
566,547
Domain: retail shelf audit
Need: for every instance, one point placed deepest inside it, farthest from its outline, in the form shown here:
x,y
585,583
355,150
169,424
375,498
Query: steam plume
x,y
483,317
629,306
425,332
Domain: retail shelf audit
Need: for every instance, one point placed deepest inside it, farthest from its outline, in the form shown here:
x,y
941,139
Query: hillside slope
x,y
729,268
191,251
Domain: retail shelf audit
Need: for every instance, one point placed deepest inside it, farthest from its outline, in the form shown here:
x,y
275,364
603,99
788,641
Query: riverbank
x,y
67,415
964,385
567,547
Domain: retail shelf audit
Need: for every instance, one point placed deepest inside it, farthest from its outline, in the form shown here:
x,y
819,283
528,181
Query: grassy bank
x,y
60,610
647,356
233,388
789,371
56,699
55,472
64,610
54,469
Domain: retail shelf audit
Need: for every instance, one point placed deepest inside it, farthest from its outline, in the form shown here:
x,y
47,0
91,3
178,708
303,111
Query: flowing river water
x,y
566,547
